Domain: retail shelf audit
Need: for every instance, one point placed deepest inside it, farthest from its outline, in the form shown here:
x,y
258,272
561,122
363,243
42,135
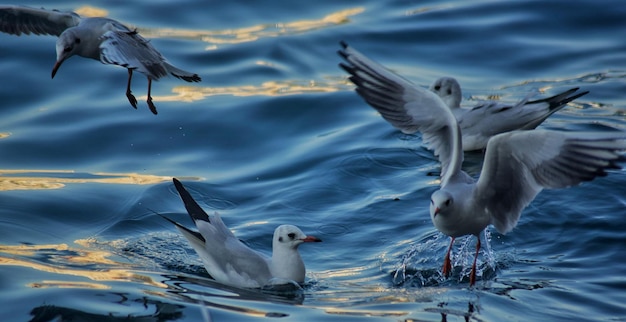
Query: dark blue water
x,y
275,134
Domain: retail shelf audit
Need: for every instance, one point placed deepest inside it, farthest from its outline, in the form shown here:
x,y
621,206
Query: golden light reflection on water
x,y
239,35
89,11
253,33
56,179
270,88
80,260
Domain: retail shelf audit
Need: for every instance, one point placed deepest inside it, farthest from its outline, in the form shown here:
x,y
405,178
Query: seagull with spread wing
x,y
102,39
486,119
517,165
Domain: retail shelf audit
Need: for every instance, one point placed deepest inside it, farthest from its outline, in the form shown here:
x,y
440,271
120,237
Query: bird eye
x,y
437,87
449,92
448,202
291,235
77,40
67,49
280,239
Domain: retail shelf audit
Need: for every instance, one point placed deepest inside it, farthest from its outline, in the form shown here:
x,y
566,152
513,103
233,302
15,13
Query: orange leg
x,y
129,95
447,266
473,273
150,104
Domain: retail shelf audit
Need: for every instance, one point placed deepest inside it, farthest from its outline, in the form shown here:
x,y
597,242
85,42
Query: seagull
x,y
517,166
231,262
489,118
102,39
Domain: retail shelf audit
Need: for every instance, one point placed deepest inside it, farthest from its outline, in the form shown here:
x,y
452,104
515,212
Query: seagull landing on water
x,y
101,39
517,166
481,122
231,262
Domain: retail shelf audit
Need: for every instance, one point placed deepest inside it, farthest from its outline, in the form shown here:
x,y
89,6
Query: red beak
x,y
436,211
311,239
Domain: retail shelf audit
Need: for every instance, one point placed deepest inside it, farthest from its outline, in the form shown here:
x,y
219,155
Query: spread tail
x,y
181,74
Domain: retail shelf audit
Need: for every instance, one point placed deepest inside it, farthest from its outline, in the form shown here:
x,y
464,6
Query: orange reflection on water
x,y
239,35
253,33
65,260
270,88
55,179
89,11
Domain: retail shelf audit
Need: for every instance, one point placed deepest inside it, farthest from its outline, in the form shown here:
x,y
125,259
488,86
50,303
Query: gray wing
x,y
407,107
230,252
491,118
226,258
518,165
130,50
17,20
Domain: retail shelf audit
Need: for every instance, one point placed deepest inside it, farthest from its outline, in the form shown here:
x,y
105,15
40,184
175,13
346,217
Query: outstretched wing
x,y
518,165
407,107
17,20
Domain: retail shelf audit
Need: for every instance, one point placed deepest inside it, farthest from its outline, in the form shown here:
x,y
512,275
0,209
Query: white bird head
x,y
286,262
440,203
449,90
68,45
290,236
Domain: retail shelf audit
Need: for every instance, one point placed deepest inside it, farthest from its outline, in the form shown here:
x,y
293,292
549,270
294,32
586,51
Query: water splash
x,y
421,264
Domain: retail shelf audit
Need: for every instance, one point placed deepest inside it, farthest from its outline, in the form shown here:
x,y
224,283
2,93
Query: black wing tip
x,y
573,97
193,208
581,94
342,52
178,185
191,79
559,101
170,220
617,163
559,104
195,233
347,68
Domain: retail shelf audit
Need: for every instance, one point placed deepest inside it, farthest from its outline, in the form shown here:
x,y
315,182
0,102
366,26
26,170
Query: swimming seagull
x,y
489,118
517,166
102,39
231,262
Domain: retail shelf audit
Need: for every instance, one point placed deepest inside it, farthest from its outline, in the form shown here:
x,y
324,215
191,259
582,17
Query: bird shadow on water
x,y
162,312
210,293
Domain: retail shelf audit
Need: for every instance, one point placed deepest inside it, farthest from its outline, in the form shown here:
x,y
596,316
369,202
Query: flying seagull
x,y
102,39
